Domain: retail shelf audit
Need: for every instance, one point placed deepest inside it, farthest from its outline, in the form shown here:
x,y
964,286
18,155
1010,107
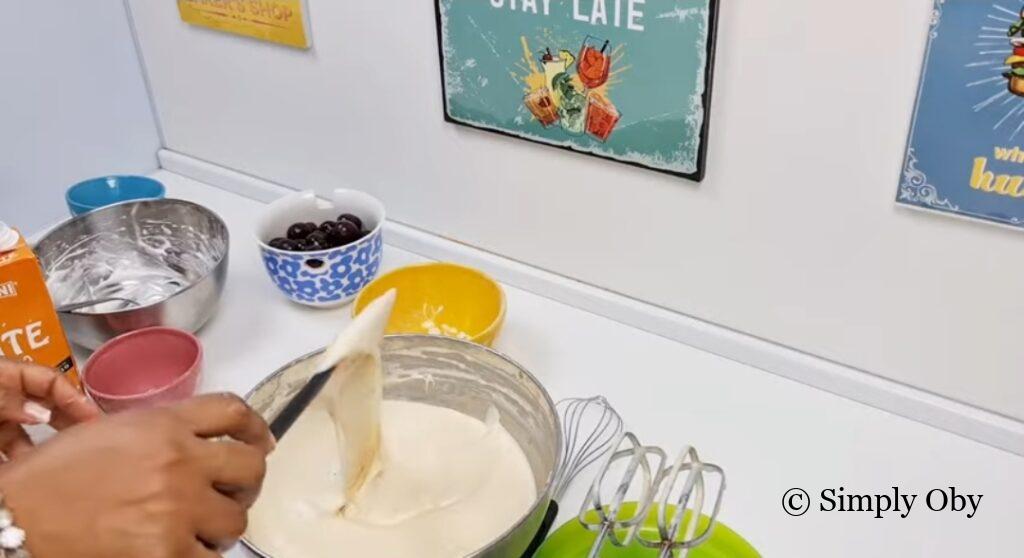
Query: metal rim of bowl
x,y
559,441
209,272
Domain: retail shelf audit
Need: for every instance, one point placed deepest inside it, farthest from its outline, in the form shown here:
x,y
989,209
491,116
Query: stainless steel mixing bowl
x,y
465,377
182,228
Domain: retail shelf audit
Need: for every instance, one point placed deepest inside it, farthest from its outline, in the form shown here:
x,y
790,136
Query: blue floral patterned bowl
x,y
326,278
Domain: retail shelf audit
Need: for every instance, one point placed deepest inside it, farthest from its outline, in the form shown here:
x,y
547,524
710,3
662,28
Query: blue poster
x,y
965,154
628,80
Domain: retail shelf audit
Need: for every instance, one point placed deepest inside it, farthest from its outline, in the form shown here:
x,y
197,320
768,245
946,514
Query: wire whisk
x,y
590,429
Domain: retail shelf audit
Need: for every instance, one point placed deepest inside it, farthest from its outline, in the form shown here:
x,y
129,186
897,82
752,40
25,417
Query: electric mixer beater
x,y
679,492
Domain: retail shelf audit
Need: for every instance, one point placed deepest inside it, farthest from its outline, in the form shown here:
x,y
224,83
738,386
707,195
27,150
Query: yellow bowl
x,y
440,299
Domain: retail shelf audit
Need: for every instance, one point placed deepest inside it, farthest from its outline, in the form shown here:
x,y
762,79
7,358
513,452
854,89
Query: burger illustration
x,y
1016,64
1016,60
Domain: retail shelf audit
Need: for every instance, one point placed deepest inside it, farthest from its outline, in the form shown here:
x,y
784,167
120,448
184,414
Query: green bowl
x,y
572,540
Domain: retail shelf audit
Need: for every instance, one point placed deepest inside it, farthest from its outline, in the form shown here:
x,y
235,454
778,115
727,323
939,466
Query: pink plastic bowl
x,y
144,368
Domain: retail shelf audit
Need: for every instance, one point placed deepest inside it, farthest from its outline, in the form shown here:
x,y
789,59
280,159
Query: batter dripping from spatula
x,y
360,476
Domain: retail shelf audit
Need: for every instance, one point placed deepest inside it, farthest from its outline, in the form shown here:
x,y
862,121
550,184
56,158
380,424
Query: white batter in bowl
x,y
468,444
449,484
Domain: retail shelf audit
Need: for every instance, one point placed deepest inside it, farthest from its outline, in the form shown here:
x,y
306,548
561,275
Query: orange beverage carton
x,y
30,330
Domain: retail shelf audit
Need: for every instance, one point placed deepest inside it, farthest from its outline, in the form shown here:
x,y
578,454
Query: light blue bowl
x,y
108,190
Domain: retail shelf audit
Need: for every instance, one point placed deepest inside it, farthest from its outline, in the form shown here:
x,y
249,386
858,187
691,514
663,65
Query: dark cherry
x,y
335,237
307,245
319,237
299,231
282,244
347,232
351,219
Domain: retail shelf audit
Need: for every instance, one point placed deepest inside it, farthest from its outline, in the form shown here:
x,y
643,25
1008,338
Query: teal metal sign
x,y
628,80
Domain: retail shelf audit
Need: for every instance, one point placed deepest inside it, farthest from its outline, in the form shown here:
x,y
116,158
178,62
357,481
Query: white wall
x,y
793,237
73,104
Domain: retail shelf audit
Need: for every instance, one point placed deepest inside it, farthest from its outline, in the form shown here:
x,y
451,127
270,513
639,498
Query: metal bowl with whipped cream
x,y
464,377
155,262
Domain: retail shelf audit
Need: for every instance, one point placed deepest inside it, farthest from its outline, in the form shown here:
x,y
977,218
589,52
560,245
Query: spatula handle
x,y
287,417
545,528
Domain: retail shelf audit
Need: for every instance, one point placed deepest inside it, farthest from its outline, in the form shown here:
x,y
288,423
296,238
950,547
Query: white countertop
x,y
770,434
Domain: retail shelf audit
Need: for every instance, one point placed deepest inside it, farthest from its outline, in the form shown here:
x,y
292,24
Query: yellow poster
x,y
277,21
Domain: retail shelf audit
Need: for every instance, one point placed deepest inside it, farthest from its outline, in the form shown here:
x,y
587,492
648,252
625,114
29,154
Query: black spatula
x,y
287,417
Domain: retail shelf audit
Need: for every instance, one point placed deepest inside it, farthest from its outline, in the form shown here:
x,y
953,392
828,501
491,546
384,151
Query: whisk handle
x,y
545,528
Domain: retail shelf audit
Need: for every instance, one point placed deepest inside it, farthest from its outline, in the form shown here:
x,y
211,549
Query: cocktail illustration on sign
x,y
573,91
572,106
554,66
602,117
595,65
542,105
